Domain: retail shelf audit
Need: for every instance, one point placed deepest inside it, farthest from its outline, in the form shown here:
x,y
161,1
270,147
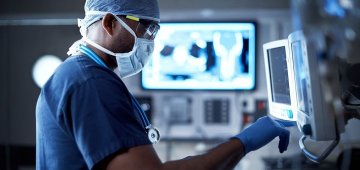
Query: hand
x,y
262,132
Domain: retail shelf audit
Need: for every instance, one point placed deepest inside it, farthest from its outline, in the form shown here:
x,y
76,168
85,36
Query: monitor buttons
x,y
290,114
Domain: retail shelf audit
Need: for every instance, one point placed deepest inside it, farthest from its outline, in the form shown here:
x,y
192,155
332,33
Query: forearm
x,y
224,156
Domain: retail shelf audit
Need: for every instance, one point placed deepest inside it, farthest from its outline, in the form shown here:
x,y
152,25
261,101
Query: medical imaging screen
x,y
279,75
300,77
202,56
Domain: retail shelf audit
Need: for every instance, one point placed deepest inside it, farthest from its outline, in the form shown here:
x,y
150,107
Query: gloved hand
x,y
262,132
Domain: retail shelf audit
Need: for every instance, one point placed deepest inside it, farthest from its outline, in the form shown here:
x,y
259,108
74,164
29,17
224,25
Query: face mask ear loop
x,y
86,39
128,29
98,46
125,26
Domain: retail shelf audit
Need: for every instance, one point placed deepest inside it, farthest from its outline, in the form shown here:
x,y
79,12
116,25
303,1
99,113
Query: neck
x,y
109,60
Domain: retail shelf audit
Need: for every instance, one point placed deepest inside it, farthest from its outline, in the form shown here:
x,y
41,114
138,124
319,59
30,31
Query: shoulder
x,y
78,70
81,74
81,68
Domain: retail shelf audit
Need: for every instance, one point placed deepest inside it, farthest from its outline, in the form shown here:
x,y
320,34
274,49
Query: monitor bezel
x,y
253,22
277,109
320,117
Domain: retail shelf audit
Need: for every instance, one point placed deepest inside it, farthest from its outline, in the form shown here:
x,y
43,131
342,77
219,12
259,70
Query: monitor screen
x,y
279,75
202,56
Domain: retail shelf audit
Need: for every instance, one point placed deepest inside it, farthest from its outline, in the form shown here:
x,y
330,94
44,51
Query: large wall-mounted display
x,y
203,56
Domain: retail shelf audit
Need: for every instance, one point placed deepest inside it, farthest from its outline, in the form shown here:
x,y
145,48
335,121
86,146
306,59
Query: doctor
x,y
87,119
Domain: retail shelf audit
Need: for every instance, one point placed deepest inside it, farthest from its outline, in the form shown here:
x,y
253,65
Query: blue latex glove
x,y
262,132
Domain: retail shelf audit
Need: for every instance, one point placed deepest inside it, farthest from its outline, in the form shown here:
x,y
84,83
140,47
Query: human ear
x,y
108,23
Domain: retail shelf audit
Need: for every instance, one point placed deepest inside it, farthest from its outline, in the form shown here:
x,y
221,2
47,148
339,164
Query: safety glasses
x,y
145,29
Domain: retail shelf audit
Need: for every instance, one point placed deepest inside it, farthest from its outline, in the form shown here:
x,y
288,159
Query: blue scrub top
x,y
84,114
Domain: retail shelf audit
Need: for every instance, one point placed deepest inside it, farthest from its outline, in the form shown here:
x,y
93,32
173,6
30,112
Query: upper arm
x,y
139,157
103,120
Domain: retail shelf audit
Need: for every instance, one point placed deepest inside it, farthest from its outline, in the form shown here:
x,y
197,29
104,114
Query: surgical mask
x,y
132,62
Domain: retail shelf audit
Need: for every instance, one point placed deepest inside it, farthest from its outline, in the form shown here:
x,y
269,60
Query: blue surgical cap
x,y
143,9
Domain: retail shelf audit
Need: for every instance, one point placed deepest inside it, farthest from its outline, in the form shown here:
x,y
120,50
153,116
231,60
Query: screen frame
x,y
320,117
253,22
276,109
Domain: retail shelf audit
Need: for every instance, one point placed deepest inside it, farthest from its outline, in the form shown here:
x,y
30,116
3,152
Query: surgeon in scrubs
x,y
86,118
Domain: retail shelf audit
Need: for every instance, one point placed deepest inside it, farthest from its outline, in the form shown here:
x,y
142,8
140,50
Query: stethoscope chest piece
x,y
153,135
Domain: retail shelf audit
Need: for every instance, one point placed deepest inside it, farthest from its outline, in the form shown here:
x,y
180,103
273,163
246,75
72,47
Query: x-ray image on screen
x,y
279,76
209,56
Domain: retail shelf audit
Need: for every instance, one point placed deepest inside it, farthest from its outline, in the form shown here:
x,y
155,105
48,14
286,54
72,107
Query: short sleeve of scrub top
x,y
99,113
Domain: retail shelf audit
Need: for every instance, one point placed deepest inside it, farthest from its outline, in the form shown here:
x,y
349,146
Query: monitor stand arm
x,y
323,155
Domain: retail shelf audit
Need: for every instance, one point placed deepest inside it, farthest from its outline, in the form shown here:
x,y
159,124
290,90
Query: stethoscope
x,y
152,132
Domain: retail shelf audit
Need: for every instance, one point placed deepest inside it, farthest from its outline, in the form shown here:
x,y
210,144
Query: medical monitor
x,y
315,118
202,56
279,81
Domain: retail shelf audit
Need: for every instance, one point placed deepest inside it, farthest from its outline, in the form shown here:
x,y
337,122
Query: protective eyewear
x,y
145,29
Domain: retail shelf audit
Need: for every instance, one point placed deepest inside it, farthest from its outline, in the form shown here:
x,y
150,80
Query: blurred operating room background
x,y
35,36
